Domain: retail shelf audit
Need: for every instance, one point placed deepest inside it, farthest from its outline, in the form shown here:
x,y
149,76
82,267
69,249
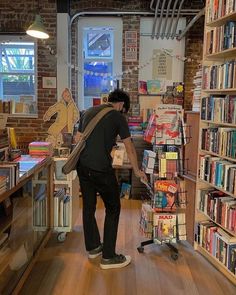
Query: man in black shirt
x,y
96,175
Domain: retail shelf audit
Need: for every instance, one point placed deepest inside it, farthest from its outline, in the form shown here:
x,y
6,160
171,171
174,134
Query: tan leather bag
x,y
73,158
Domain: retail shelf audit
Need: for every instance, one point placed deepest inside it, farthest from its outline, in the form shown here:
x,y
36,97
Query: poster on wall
x,y
131,46
161,65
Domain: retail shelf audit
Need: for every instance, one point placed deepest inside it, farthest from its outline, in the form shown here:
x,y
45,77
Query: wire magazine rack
x,y
165,233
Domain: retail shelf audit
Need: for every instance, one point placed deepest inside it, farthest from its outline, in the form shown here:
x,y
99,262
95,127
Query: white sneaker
x,y
118,261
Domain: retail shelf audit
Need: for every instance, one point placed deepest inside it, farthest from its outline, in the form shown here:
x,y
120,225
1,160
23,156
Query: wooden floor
x,y
63,268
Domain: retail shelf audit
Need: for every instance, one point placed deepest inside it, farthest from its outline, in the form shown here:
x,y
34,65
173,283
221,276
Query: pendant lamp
x,y
37,29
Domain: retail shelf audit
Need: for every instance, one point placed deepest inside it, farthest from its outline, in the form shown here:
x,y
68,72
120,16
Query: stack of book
x,y
40,148
219,206
217,242
3,184
4,138
218,8
221,76
40,205
219,108
197,81
135,124
221,38
219,140
61,208
146,220
10,170
218,172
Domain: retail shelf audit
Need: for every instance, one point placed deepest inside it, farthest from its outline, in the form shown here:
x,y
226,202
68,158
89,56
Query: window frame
x,y
24,39
95,22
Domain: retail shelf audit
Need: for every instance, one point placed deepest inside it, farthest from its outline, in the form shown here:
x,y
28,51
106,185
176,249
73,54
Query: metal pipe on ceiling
x,y
166,19
160,19
155,20
177,20
171,19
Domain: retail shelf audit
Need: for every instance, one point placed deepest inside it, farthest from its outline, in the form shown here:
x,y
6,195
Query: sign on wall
x,y
131,47
162,65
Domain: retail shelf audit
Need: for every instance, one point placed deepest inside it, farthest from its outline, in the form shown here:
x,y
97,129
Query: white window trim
x,y
117,24
26,38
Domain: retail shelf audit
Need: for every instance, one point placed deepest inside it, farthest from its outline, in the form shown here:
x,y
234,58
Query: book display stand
x,y
163,217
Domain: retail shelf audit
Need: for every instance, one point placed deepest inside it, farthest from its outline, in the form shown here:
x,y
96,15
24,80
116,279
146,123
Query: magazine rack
x,y
172,234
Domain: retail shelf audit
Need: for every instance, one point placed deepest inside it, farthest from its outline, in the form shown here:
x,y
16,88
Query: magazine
x,y
164,227
165,193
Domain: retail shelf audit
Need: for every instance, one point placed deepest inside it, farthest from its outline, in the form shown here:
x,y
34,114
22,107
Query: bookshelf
x,y
25,239
215,198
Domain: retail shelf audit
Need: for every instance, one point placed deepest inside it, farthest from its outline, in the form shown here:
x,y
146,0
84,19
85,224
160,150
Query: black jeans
x,y
106,185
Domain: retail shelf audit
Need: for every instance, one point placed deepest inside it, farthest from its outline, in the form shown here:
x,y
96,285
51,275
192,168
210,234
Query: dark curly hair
x,y
119,95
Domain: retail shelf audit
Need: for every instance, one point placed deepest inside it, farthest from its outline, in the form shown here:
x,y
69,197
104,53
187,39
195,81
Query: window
x,y
18,76
100,57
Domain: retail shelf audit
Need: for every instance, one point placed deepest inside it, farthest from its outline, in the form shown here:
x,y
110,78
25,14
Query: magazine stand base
x,y
174,251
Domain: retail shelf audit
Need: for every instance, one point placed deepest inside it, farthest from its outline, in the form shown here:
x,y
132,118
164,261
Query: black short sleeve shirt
x,y
96,154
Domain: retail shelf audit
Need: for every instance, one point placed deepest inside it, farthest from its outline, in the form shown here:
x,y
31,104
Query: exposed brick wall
x,y
18,16
15,18
193,50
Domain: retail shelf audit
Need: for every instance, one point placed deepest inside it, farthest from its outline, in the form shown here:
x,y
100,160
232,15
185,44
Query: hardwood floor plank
x,y
63,268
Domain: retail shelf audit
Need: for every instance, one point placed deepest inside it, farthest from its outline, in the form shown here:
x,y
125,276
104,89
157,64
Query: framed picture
x,y
49,82
63,152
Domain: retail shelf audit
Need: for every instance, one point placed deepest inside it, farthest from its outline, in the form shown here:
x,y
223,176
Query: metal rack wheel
x,y
140,249
174,256
61,237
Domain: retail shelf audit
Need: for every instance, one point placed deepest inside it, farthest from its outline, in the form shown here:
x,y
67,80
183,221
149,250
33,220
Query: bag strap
x,y
92,124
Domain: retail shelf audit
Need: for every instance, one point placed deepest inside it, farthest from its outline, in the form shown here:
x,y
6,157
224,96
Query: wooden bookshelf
x,y
217,155
222,20
220,91
226,54
212,60
220,266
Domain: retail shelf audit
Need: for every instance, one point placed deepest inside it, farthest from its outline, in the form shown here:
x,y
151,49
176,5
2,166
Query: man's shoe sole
x,y
116,265
93,256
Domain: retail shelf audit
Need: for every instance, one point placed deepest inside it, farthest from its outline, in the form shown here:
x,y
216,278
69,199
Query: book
x,y
164,227
125,190
165,193
148,163
168,124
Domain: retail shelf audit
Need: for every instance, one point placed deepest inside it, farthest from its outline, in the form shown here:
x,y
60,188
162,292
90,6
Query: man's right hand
x,y
140,174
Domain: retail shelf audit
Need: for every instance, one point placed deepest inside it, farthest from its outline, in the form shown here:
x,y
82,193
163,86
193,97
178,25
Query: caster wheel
x,y
140,249
61,237
174,256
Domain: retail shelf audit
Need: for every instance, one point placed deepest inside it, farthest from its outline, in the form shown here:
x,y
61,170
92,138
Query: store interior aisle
x,y
63,268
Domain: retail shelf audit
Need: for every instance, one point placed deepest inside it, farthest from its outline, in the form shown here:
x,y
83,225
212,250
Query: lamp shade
x,y
37,29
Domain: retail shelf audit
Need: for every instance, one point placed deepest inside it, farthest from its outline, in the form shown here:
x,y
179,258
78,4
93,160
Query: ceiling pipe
x,y
160,20
155,20
171,20
191,23
177,20
166,19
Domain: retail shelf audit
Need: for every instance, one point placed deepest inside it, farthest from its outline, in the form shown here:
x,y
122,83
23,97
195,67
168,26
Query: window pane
x,y
98,43
17,58
97,78
15,85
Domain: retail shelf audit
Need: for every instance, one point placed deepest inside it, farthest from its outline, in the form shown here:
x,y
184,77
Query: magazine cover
x,y
168,124
164,227
165,193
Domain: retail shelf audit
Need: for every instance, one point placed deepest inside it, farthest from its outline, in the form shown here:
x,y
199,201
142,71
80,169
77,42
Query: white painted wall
x,y
62,52
147,45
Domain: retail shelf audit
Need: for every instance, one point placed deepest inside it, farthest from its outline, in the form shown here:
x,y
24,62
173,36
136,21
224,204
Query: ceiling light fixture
x,y
37,29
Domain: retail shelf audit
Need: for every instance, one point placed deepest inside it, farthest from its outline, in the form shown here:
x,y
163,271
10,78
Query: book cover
x,y
142,87
165,192
168,124
164,227
125,190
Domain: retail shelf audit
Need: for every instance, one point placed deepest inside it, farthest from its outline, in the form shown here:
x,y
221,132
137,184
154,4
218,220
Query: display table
x,y
26,224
